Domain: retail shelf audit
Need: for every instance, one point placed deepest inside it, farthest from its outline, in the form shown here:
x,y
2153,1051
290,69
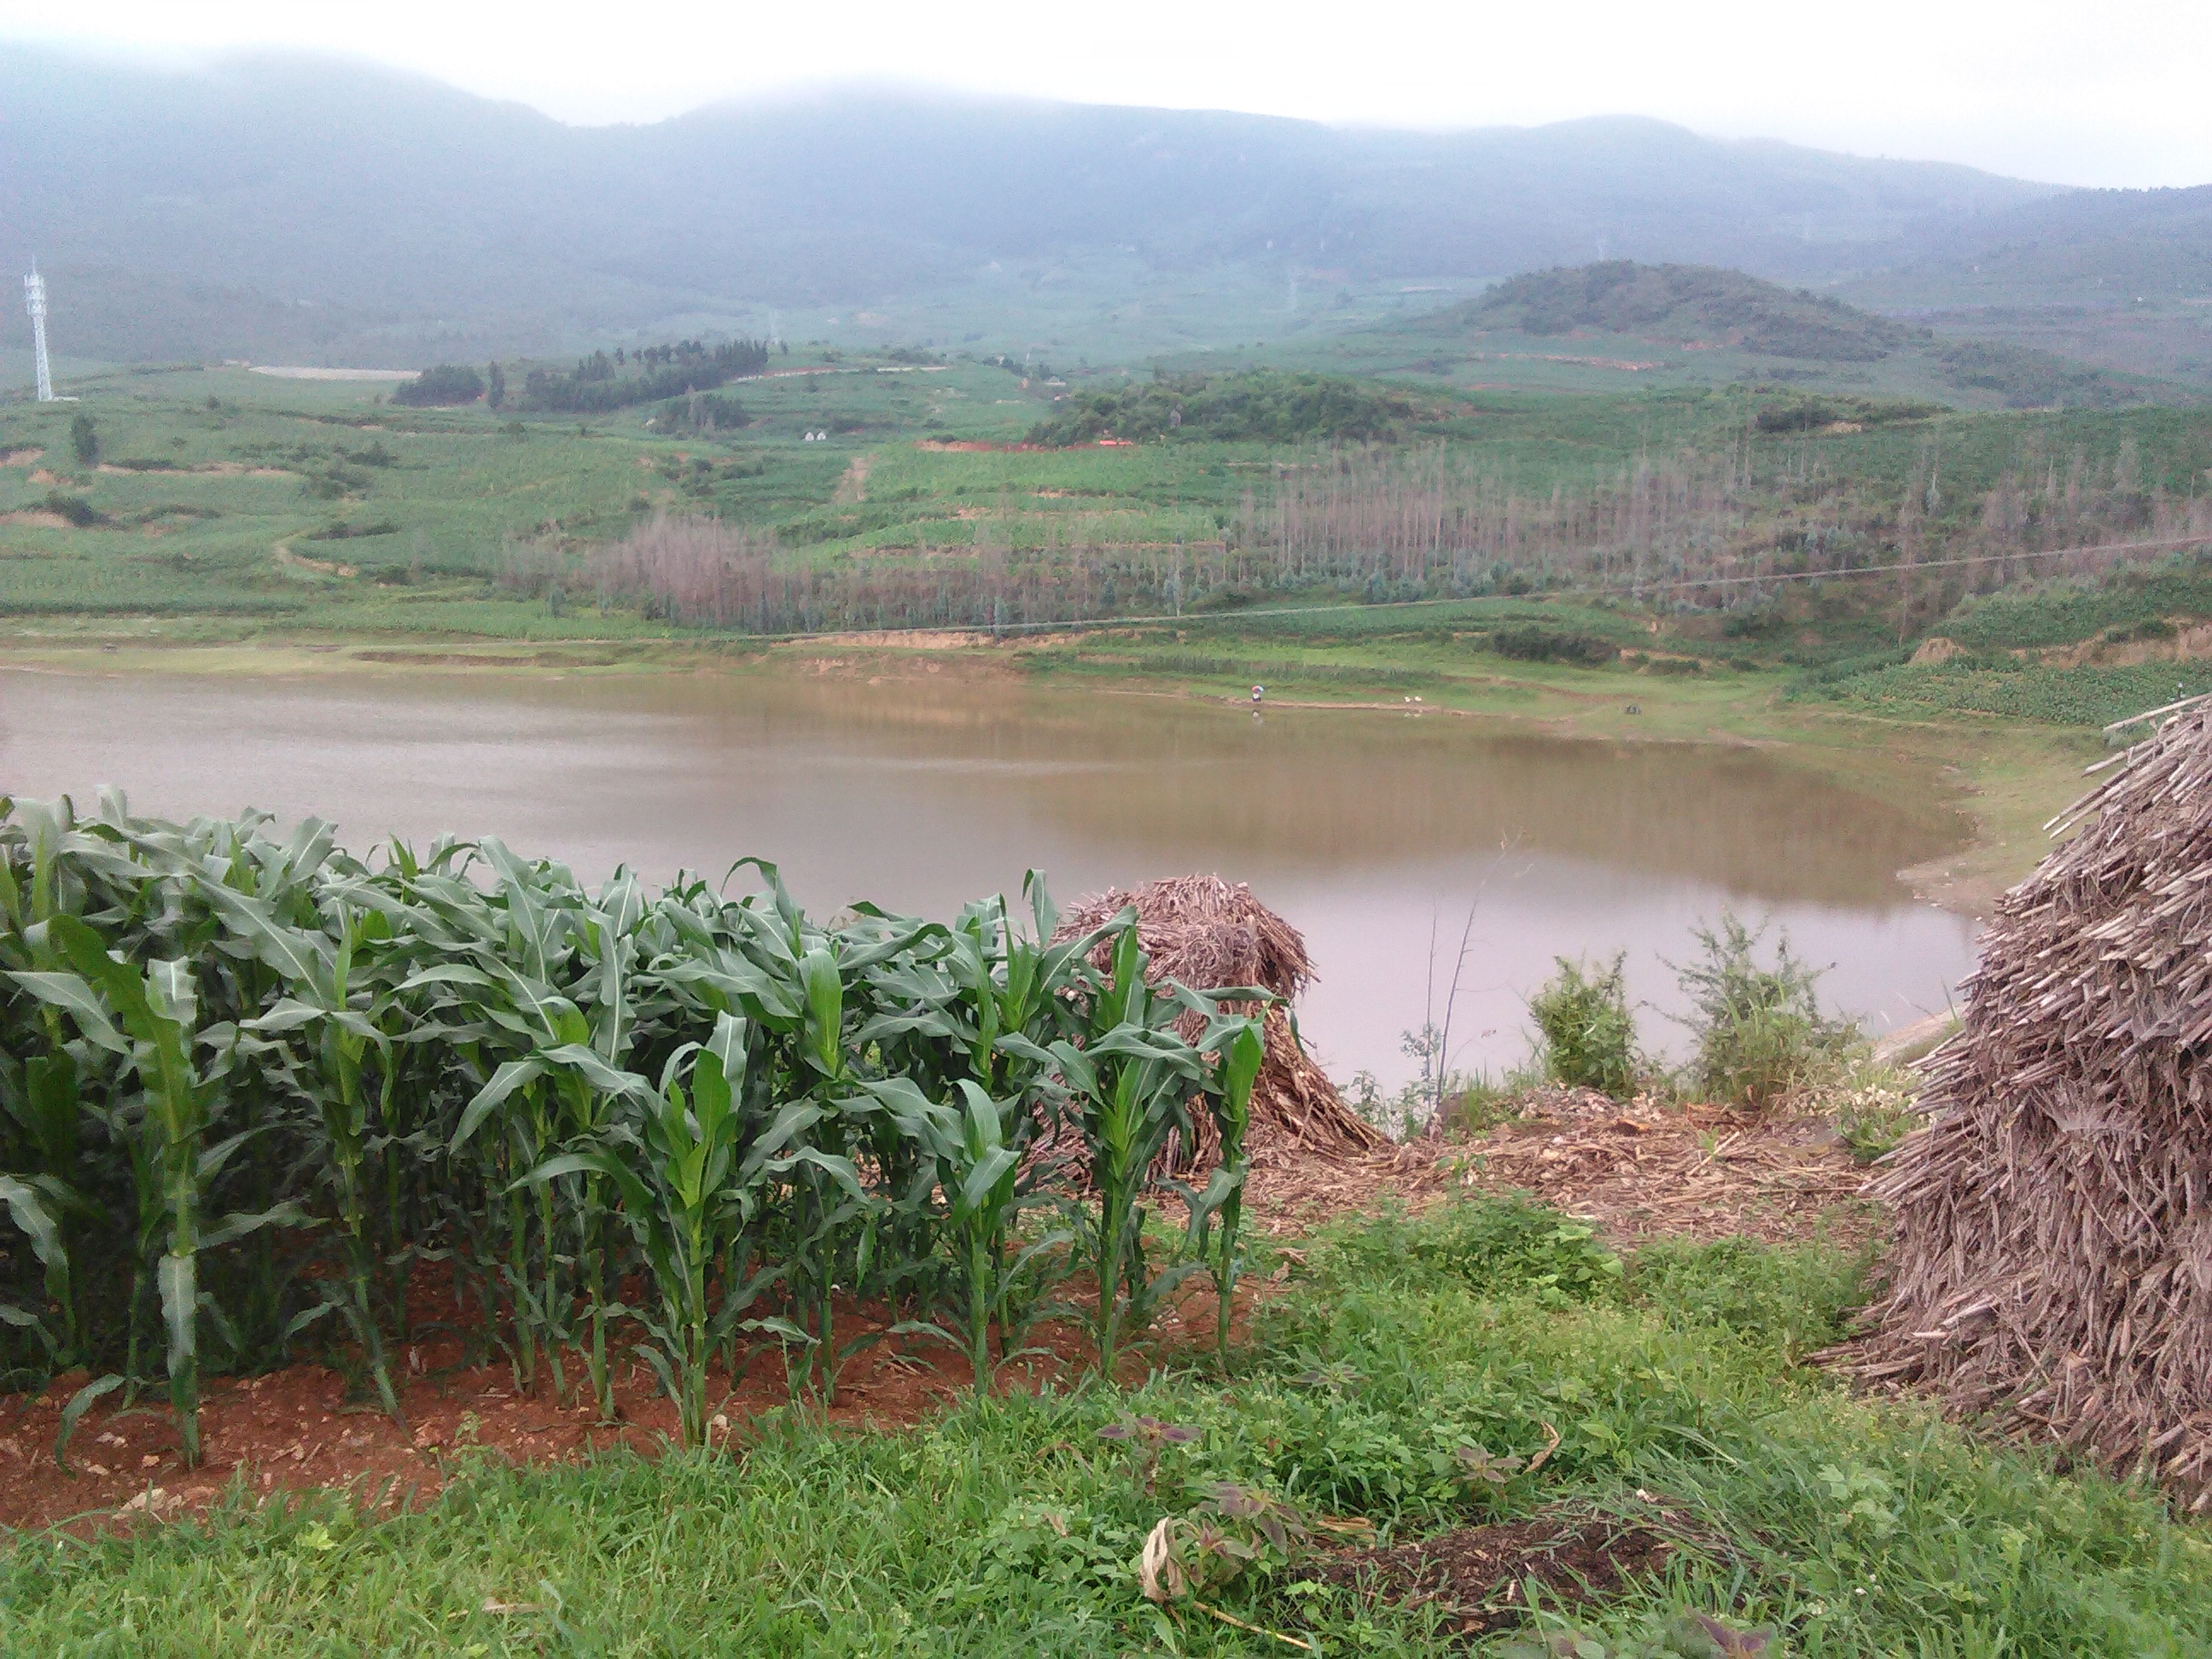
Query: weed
x,y
1493,1246
1876,1107
1588,1033
1760,1034
1785,1300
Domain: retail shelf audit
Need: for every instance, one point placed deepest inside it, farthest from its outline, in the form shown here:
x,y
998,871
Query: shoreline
x,y
2003,781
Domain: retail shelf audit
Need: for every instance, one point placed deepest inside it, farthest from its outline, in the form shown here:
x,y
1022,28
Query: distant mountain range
x,y
329,210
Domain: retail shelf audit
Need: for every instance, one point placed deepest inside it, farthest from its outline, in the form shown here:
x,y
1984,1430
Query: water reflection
x,y
1374,832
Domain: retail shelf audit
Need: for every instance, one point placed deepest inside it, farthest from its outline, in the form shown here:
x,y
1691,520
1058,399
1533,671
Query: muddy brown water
x,y
1374,832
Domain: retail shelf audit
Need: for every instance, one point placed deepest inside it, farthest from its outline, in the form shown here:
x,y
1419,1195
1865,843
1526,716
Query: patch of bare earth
x,y
1645,1169
1483,1579
305,1427
1639,1171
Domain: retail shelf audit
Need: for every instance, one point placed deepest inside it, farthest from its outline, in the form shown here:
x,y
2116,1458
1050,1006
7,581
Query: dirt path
x,y
854,486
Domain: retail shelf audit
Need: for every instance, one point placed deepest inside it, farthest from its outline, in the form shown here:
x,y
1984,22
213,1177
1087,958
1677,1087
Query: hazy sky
x,y
2111,93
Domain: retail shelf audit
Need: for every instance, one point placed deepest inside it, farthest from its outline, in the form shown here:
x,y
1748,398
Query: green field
x,y
317,506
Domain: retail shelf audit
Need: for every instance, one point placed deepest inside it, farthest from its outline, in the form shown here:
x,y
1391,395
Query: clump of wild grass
x,y
1463,1103
1875,1106
1761,1037
1587,1032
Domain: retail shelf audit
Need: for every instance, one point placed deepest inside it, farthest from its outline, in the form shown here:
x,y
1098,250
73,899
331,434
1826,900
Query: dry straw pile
x,y
1208,935
2054,1220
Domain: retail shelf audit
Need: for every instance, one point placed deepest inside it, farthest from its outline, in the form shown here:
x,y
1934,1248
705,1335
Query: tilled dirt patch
x,y
1480,1578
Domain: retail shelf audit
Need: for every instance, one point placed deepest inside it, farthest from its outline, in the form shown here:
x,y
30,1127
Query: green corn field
x,y
259,1096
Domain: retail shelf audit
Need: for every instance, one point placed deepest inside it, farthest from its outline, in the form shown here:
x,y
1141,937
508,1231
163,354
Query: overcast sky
x,y
2090,92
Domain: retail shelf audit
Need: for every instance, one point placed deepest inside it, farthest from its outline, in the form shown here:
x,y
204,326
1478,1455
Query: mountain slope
x,y
427,215
1619,322
2119,278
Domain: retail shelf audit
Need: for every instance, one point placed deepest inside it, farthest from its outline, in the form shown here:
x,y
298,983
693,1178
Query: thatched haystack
x,y
2054,1221
1207,933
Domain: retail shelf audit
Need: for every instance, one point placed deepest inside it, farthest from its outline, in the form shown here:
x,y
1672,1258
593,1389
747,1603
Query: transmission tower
x,y
34,301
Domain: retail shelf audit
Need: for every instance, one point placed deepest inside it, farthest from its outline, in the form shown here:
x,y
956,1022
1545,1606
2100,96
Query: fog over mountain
x,y
306,207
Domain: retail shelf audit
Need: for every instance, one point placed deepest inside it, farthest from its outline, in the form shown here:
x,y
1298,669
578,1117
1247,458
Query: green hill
x,y
1685,305
1620,323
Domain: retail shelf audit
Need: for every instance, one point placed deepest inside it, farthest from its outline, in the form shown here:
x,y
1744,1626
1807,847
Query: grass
x,y
1852,1526
2083,696
204,474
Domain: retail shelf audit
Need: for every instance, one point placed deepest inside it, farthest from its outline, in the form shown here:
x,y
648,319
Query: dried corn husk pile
x,y
1207,933
2054,1221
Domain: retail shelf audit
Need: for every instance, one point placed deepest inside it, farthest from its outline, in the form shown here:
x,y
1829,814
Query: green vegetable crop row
x,y
249,1086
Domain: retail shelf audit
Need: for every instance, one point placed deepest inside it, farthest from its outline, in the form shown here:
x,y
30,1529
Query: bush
x,y
84,441
1761,1035
1544,645
441,385
1588,1033
78,511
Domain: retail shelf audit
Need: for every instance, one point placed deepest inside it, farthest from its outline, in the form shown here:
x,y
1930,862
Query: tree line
x,y
1381,524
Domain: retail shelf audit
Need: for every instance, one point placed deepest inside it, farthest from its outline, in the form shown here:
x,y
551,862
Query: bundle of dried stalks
x,y
1207,934
2054,1220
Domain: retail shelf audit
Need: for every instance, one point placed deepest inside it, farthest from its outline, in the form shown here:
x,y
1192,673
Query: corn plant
x,y
148,1020
39,1070
350,1064
688,1206
1134,1079
973,1145
1217,1214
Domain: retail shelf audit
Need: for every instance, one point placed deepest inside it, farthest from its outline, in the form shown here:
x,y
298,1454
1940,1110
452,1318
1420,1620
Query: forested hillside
x,y
327,209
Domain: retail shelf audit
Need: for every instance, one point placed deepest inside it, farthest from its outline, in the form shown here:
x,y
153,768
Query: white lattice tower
x,y
34,301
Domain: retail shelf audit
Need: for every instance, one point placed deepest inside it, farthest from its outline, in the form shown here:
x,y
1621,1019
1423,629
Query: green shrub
x,y
1760,1034
76,510
1493,1246
1548,644
1588,1033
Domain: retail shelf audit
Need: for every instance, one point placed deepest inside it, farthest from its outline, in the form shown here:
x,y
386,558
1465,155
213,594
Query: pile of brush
x,y
2054,1220
1208,935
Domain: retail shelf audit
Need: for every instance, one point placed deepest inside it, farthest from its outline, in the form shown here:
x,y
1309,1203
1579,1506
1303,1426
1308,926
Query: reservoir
x,y
1388,838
